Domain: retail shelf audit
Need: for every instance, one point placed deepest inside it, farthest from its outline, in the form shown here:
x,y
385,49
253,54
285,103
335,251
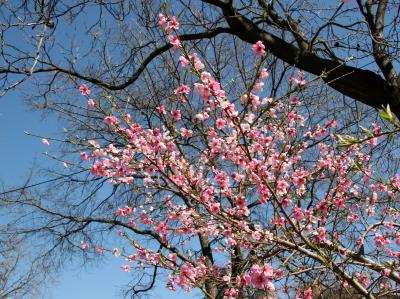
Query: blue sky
x,y
18,153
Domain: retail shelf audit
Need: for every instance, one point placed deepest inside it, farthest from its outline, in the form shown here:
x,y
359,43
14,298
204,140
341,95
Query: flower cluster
x,y
263,192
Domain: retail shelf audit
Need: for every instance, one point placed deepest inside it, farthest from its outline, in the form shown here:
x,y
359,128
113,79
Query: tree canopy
x,y
229,146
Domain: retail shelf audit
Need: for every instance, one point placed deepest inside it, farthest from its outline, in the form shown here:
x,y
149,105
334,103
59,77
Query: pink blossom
x,y
282,187
195,61
258,87
111,120
203,90
222,179
362,278
246,279
299,79
202,116
84,89
116,252
90,103
261,276
176,114
381,240
172,24
182,89
45,141
162,20
308,294
84,246
186,133
215,208
175,41
93,143
258,48
264,74
99,250
126,268
321,234
84,156
184,62
298,213
220,123
161,109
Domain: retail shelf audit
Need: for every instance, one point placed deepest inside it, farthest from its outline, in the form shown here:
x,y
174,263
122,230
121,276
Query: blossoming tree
x,y
250,200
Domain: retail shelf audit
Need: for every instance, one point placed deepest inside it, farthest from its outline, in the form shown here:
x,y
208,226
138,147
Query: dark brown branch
x,y
362,85
185,37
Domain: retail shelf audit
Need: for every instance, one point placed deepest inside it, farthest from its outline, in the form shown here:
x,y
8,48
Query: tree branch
x,y
362,85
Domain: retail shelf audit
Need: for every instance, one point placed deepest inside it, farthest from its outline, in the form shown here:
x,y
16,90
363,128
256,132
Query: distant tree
x,y
20,276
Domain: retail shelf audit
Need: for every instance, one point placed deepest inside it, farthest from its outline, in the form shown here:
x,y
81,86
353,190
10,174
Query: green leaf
x,y
387,114
324,74
366,131
347,141
357,166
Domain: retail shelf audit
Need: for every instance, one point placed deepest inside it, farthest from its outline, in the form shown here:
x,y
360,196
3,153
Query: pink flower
x,y
381,240
203,90
264,74
184,62
84,246
175,41
215,208
84,156
94,143
222,179
282,187
261,276
202,116
182,89
362,278
162,20
297,213
246,279
321,234
186,133
45,141
299,80
258,48
116,252
308,294
161,109
258,87
90,104
176,114
220,123
99,250
84,89
111,120
126,268
173,24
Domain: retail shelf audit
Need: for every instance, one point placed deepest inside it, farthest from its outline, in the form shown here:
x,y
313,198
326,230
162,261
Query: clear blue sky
x,y
18,153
